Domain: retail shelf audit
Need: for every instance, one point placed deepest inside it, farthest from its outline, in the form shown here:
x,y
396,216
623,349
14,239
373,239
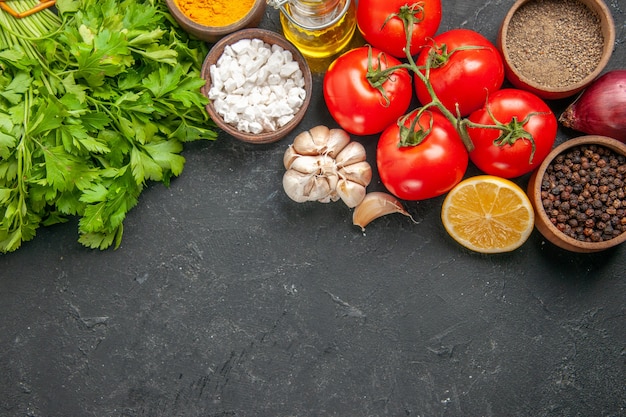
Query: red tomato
x,y
428,169
529,136
460,76
382,23
354,103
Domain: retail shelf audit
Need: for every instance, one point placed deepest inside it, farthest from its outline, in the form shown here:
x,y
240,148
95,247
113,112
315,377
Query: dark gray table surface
x,y
228,299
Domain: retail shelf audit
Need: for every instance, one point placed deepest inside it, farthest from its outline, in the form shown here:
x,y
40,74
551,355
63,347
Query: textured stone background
x,y
228,299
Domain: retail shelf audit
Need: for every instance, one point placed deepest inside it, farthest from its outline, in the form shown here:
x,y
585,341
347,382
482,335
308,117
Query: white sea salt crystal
x,y
255,127
243,125
240,105
289,68
216,78
266,90
268,123
251,113
238,47
258,43
288,56
296,92
256,87
221,106
263,54
230,117
279,90
274,79
251,67
255,97
240,78
261,76
275,62
299,78
294,98
283,120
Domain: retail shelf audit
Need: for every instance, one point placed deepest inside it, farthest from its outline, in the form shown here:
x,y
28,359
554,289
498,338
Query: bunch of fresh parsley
x,y
97,100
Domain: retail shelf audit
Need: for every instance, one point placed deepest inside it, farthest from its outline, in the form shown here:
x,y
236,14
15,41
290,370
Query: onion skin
x,y
601,108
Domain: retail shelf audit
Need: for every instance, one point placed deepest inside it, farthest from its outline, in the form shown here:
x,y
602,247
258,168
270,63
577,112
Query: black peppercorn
x,y
583,192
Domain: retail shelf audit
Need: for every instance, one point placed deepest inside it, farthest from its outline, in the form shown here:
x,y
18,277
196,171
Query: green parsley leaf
x,y
95,101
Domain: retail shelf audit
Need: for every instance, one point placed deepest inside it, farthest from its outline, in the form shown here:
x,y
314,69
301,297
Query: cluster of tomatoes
x,y
464,113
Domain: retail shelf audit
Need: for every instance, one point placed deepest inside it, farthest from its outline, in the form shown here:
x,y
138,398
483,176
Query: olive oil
x,y
318,28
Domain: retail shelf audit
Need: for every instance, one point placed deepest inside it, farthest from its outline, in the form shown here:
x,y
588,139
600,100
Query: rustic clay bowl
x,y
213,34
269,37
523,81
542,221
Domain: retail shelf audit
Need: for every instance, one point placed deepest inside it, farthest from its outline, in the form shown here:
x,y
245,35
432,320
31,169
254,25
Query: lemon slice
x,y
488,214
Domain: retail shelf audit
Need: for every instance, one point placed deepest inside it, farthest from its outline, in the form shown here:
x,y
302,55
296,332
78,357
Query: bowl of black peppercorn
x,y
579,194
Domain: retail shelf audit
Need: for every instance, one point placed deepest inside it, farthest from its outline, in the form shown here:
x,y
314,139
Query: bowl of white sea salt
x,y
258,85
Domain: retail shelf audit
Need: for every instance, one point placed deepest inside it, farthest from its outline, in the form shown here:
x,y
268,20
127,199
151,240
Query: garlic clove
x,y
333,180
318,189
337,140
290,156
351,193
319,135
294,184
301,187
311,141
360,172
321,140
310,164
375,205
353,152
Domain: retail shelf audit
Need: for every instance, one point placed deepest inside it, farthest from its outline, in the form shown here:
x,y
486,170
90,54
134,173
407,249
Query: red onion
x,y
601,108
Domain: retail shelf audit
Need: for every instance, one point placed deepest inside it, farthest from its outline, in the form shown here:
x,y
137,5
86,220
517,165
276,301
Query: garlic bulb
x,y
324,165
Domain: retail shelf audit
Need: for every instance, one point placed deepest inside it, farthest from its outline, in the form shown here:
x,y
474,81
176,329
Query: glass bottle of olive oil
x,y
318,28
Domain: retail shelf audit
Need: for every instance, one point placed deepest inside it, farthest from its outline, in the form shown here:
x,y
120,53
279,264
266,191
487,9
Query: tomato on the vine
x,y
421,156
526,135
464,68
359,97
382,23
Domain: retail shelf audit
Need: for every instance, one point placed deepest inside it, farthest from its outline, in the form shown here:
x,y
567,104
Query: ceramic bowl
x,y
542,221
527,82
213,34
271,38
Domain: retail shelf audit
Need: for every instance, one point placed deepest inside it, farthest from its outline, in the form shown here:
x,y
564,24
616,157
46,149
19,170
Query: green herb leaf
x,y
14,92
95,101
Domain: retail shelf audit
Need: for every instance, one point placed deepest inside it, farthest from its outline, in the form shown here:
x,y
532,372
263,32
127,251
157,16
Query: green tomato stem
x,y
377,77
457,121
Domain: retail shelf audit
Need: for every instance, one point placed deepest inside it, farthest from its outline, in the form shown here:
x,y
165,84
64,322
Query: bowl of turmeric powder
x,y
211,20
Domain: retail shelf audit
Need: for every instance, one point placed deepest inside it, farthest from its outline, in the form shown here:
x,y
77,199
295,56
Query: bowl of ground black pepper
x,y
556,48
211,20
579,194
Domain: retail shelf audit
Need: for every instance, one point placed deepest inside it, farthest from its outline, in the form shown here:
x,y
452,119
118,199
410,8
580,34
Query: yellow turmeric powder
x,y
215,12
